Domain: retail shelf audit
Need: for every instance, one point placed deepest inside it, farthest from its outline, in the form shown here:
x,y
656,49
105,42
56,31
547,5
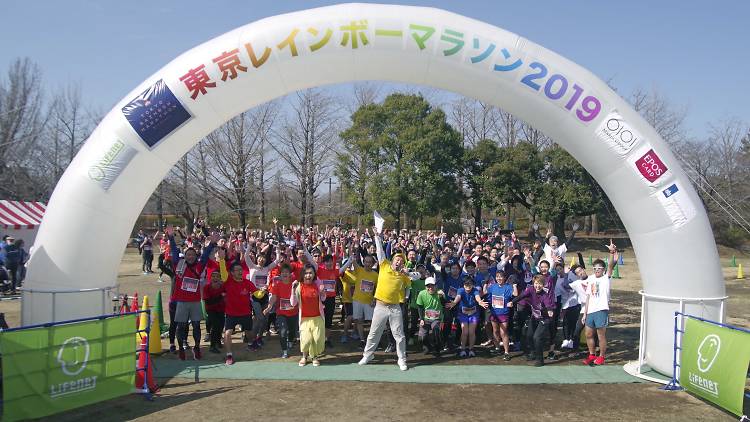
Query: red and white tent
x,y
21,219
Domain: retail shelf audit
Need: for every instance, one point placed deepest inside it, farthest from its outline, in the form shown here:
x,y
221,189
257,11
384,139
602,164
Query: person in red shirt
x,y
312,327
237,293
213,297
328,276
286,314
186,291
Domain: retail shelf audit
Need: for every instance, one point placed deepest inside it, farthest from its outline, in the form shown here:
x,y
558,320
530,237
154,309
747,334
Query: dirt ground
x,y
223,399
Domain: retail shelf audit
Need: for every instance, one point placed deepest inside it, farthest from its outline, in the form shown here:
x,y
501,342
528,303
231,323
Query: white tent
x,y
21,219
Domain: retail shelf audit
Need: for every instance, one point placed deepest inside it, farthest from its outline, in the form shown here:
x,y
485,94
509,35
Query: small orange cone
x,y
145,366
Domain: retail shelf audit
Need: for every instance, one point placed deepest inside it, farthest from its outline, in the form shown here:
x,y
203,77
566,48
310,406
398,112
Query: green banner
x,y
50,370
713,363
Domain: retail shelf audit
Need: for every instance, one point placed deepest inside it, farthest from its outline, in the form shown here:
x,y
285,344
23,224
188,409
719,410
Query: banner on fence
x,y
714,362
47,370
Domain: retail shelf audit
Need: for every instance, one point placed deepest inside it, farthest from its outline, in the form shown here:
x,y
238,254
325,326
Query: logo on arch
x,y
651,166
155,113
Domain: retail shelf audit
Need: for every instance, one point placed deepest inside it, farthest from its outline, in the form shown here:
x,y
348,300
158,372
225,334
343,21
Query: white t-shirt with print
x,y
597,292
560,250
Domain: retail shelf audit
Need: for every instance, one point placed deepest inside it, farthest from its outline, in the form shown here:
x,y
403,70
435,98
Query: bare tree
x,y
305,144
233,157
22,124
662,115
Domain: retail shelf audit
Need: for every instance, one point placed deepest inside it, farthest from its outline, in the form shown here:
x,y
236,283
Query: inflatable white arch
x,y
98,199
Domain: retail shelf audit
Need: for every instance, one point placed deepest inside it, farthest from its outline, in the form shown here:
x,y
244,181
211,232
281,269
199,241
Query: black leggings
x,y
172,324
182,331
148,260
570,316
520,317
215,326
288,327
538,336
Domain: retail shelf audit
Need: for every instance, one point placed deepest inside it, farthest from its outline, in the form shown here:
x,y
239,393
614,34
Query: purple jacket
x,y
540,302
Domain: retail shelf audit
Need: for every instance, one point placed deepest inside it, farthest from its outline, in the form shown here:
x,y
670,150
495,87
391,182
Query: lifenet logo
x,y
651,166
708,351
73,355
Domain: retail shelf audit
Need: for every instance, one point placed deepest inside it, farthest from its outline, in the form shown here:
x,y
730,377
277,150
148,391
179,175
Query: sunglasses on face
x,y
598,268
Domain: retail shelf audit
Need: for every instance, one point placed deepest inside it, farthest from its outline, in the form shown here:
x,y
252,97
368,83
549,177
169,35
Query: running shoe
x,y
316,362
553,356
506,357
284,354
172,348
471,353
197,355
487,343
589,360
273,331
365,360
599,360
462,354
259,341
229,360
402,365
538,363
344,339
182,354
253,347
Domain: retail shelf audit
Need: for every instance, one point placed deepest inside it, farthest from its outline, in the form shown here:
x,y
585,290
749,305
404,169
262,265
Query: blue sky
x,y
694,52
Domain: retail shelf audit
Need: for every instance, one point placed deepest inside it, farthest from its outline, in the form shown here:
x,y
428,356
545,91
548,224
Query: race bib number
x,y
366,286
431,314
329,285
260,281
190,284
498,302
452,292
469,311
285,305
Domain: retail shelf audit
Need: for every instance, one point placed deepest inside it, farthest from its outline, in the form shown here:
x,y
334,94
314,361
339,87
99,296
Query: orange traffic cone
x,y
134,306
145,367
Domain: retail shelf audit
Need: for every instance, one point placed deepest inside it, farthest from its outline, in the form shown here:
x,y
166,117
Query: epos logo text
x,y
651,166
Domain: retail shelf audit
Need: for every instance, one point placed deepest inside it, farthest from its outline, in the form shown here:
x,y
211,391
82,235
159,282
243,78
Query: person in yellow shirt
x,y
393,279
361,282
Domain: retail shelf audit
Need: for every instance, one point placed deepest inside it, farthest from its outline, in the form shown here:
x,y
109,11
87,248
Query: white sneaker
x,y
402,365
569,345
564,344
366,360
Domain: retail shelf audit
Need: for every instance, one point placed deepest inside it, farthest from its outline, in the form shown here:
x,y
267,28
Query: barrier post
x,y
674,383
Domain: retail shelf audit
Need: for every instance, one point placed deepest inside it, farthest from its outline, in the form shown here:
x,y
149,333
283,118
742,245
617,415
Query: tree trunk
x,y
477,212
594,224
160,205
587,224
558,228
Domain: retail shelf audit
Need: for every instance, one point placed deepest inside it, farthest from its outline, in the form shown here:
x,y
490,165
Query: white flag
x,y
379,221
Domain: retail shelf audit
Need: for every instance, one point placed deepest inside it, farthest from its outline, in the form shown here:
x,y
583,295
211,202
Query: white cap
x,y
429,280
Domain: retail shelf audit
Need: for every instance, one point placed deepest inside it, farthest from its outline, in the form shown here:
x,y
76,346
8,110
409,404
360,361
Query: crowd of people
x,y
13,257
445,294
